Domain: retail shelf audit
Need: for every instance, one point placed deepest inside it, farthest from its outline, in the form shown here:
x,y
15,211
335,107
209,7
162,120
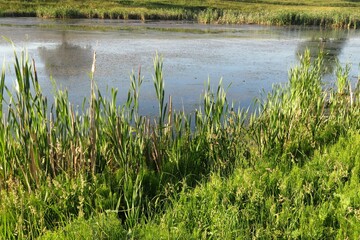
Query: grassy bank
x,y
333,13
291,169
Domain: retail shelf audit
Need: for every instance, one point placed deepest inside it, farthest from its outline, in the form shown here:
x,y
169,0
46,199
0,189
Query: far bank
x,y
329,14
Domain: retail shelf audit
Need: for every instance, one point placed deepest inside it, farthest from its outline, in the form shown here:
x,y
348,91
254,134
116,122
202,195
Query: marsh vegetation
x,y
290,169
287,169
334,13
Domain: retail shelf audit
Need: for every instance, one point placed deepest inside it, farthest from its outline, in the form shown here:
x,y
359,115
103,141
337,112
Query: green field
x,y
332,13
291,169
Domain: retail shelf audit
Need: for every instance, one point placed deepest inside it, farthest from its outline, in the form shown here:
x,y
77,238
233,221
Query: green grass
x,y
319,200
288,170
333,13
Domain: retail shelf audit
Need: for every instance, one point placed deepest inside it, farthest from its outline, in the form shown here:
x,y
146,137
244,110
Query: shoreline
x,y
336,15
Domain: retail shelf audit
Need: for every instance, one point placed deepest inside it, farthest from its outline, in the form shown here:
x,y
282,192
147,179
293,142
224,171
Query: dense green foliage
x,y
319,200
290,170
333,13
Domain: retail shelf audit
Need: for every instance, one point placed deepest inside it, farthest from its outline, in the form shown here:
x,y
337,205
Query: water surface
x,y
249,58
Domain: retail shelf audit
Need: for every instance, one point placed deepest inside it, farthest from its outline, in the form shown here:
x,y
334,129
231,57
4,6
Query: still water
x,y
249,58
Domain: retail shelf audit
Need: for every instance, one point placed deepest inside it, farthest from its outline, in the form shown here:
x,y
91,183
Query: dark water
x,y
249,58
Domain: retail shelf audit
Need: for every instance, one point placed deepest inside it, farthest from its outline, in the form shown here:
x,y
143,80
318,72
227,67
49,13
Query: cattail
x,y
92,118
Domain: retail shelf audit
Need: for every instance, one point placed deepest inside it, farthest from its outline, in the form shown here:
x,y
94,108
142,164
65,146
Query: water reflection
x,y
239,55
330,42
66,59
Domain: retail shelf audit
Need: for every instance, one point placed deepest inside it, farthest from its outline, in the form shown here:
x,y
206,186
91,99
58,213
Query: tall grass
x,y
60,165
334,19
334,13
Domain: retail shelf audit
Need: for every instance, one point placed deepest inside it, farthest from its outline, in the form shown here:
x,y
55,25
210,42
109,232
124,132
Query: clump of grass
x,y
296,119
103,226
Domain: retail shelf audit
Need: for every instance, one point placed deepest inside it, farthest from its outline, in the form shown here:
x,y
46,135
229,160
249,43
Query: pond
x,y
248,58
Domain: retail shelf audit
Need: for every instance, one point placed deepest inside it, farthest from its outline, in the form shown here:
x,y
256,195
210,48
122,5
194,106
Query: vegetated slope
x,y
334,13
319,200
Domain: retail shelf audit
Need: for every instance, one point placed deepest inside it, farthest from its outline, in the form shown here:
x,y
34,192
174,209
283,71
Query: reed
x,y
60,166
